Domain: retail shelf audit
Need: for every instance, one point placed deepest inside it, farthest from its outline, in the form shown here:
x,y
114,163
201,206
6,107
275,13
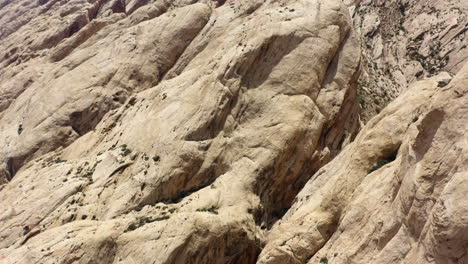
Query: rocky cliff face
x,y
395,195
229,132
405,41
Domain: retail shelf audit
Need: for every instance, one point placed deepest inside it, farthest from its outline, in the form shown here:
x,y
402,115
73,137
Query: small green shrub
x,y
165,217
145,220
379,165
324,260
442,84
125,152
26,230
212,209
131,227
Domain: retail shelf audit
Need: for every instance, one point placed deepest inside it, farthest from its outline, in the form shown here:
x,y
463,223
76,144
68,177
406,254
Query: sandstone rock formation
x,y
404,41
207,131
395,195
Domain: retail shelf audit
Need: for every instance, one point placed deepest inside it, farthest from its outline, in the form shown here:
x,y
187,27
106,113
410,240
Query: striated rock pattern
x,y
395,195
184,131
404,41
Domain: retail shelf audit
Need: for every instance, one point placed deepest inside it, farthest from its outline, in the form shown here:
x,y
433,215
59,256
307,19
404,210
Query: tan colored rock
x,y
405,41
177,136
411,210
71,98
182,131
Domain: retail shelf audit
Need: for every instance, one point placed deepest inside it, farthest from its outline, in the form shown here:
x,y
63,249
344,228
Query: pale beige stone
x,y
405,41
409,211
182,131
177,138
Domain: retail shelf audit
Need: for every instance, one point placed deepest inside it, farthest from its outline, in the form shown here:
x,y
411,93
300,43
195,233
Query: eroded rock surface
x,y
182,132
177,138
395,195
405,41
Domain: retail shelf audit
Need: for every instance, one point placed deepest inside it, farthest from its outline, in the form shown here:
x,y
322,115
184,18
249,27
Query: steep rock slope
x,y
177,133
404,41
48,104
395,195
158,131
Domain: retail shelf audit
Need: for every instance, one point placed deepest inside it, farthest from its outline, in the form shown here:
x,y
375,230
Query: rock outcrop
x,y
207,131
404,41
182,137
395,195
